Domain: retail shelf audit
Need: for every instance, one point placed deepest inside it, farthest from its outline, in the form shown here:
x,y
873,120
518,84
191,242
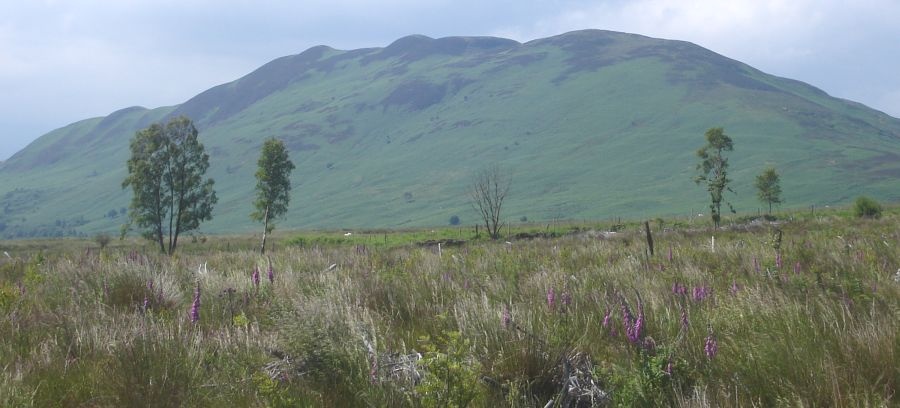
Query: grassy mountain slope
x,y
590,124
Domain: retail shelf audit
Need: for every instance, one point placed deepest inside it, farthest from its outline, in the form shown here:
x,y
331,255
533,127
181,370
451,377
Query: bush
x,y
454,220
866,207
102,239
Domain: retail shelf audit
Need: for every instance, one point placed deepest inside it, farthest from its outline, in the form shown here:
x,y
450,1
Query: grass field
x,y
801,312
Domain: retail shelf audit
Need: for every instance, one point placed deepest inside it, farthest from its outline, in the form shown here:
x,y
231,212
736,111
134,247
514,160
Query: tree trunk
x,y
262,248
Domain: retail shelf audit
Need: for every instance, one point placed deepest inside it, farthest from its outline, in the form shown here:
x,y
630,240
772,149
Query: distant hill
x,y
590,124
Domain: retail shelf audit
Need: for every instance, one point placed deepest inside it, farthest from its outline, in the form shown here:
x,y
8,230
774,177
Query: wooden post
x,y
649,237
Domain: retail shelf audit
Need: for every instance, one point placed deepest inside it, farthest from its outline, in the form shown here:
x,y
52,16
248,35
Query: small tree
x,y
487,193
768,187
273,186
165,172
713,168
865,207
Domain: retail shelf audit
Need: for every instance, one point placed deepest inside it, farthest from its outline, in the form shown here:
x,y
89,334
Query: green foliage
x,y
865,207
165,173
275,393
273,185
768,187
451,378
645,383
8,296
713,170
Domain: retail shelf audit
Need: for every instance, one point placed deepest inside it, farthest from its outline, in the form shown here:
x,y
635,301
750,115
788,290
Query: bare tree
x,y
488,191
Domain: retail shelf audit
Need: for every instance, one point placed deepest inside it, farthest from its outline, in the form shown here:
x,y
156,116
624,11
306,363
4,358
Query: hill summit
x,y
589,124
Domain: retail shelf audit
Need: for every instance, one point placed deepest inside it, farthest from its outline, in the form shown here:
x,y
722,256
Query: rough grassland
x,y
739,322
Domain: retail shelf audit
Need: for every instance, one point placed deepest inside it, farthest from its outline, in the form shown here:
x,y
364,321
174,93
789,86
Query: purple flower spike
x,y
734,288
255,276
670,257
566,298
684,319
195,307
701,292
756,264
639,324
506,317
797,268
606,318
551,298
271,274
711,346
633,327
778,261
146,305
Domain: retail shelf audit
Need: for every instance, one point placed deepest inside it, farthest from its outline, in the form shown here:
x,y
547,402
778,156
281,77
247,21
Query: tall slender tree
x,y
165,172
768,187
273,186
713,170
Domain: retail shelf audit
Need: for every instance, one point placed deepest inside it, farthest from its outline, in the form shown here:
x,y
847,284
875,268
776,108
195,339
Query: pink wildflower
x,y
734,288
701,292
633,327
711,346
195,307
505,317
271,274
255,276
551,298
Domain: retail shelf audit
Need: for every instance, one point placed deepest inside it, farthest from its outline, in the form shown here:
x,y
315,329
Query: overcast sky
x,y
67,60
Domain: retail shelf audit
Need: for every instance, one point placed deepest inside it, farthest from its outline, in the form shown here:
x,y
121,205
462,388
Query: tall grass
x,y
472,325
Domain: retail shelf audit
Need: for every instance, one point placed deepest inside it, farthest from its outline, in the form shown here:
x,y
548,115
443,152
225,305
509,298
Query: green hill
x,y
590,124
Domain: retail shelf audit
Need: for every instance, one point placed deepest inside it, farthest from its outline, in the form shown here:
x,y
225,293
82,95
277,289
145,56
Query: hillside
x,y
590,124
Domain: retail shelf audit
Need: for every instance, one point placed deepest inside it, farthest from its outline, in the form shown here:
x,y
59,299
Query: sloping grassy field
x,y
802,312
589,124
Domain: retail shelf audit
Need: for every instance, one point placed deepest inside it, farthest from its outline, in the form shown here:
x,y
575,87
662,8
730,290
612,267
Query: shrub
x,y
454,220
866,207
102,239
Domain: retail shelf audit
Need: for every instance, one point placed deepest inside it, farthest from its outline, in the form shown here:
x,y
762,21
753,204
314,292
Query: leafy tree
x,y
713,168
273,186
487,193
768,187
165,172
